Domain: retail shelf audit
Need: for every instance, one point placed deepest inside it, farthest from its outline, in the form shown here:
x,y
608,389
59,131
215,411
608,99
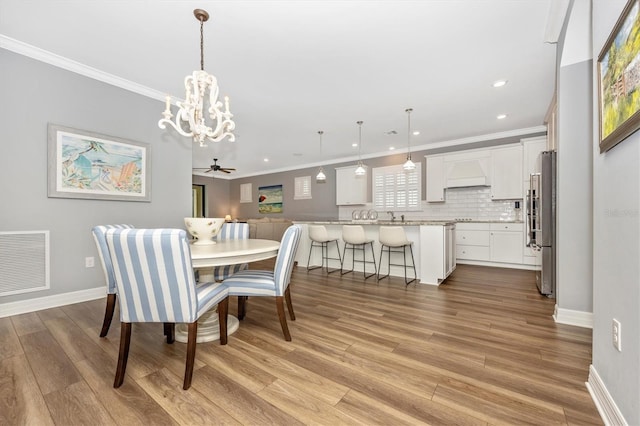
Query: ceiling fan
x,y
216,168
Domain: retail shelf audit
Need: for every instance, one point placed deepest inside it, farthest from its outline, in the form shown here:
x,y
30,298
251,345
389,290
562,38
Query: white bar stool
x,y
354,236
394,239
320,238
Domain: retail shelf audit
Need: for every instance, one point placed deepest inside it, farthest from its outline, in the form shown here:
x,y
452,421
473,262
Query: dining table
x,y
204,257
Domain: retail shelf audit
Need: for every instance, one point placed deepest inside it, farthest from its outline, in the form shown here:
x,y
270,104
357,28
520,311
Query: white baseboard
x,y
47,302
570,317
498,265
606,406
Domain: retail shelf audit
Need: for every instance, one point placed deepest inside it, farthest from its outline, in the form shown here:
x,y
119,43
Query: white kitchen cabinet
x,y
506,173
437,252
506,241
472,241
350,188
435,179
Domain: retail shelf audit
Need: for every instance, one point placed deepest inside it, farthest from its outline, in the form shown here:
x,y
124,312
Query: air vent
x,y
24,262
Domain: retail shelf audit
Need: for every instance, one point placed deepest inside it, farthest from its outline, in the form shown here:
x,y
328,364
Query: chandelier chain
x,y
201,44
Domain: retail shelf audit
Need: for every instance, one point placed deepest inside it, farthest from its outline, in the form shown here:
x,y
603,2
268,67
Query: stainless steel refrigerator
x,y
541,220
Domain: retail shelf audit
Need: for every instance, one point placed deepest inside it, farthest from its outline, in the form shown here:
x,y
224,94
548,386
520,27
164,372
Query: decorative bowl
x,y
203,229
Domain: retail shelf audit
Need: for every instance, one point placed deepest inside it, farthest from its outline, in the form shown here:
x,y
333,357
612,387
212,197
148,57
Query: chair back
x,y
153,274
103,252
318,233
285,258
353,234
393,236
233,231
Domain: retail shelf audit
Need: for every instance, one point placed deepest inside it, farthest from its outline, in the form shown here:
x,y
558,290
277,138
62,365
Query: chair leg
x,y
223,309
125,339
364,261
380,265
283,317
108,314
413,262
242,307
344,256
191,354
170,331
287,297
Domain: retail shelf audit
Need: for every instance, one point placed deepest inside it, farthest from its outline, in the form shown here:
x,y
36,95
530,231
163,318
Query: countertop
x,y
401,223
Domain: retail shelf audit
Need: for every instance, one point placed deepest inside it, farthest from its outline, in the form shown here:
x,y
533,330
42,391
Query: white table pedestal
x,y
208,328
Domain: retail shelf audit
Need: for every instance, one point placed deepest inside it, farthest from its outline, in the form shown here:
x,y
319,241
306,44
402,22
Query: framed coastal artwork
x,y
83,164
619,80
270,199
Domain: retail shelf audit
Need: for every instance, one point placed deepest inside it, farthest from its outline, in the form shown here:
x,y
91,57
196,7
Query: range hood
x,y
472,172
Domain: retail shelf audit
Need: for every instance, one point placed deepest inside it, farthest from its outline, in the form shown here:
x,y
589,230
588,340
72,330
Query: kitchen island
x,y
434,246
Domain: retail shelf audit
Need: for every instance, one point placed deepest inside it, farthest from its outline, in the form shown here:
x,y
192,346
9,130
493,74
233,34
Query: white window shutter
x,y
302,188
396,188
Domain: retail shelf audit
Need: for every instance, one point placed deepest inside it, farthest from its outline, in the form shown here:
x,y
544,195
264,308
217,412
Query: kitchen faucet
x,y
392,216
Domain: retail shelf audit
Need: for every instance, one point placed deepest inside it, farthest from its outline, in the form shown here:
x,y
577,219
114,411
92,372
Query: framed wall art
x,y
619,80
270,199
89,165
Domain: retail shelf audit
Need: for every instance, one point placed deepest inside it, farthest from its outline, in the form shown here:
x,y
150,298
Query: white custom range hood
x,y
467,172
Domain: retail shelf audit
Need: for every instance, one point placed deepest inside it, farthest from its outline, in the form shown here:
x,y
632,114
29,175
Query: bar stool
x,y
354,236
320,238
394,239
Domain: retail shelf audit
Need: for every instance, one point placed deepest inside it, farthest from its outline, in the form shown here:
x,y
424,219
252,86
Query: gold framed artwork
x,y
619,79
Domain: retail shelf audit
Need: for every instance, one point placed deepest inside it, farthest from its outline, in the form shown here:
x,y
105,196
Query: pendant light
x,y
360,170
321,177
409,165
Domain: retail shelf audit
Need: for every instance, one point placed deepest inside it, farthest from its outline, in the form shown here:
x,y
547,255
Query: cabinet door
x,y
506,246
350,189
506,173
435,179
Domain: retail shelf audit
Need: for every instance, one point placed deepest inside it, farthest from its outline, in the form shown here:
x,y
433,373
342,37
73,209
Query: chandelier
x,y
321,177
201,102
360,170
409,165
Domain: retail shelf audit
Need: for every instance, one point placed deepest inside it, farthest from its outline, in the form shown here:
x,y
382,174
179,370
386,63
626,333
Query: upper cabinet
x,y
506,173
435,179
350,188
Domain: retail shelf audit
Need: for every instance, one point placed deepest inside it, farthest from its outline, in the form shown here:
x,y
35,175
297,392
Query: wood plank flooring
x,y
481,349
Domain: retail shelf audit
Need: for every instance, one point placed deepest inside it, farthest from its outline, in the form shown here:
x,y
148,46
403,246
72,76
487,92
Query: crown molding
x,y
47,57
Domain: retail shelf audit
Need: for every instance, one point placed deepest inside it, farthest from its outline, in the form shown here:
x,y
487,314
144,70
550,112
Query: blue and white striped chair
x,y
269,283
156,283
99,237
231,231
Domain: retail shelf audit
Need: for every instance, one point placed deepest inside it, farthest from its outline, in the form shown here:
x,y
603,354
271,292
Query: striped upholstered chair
x,y
269,283
99,237
156,283
231,231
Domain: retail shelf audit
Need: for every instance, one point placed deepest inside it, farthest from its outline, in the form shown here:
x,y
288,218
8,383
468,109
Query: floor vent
x,y
24,262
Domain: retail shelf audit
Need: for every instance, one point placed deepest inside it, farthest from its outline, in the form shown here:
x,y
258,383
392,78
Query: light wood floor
x,y
480,349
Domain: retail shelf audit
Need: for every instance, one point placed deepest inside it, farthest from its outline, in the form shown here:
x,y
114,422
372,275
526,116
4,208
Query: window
x,y
302,188
397,189
197,198
246,193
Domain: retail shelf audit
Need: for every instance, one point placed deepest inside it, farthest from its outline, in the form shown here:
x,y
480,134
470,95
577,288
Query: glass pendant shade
x,y
321,177
409,165
360,170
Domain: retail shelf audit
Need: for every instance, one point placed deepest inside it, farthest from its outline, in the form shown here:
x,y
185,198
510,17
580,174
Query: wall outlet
x,y
89,262
616,332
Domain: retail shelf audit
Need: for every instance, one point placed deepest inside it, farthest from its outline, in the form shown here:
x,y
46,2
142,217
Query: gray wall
x,y
216,197
616,247
574,220
34,94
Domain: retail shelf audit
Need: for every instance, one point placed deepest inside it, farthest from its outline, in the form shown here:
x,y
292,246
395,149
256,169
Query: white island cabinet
x,y
434,247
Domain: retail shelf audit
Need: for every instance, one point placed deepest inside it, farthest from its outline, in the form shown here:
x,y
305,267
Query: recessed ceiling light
x,y
416,133
501,116
354,145
391,148
266,160
499,83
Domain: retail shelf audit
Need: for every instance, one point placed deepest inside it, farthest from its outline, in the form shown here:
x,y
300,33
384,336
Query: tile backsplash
x,y
468,203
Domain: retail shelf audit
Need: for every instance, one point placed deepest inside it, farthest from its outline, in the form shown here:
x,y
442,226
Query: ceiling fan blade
x,y
224,171
227,169
210,170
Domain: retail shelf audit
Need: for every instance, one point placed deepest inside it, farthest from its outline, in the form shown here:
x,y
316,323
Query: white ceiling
x,y
293,67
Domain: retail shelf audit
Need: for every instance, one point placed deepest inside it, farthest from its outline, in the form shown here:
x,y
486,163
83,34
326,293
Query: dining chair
x,y
269,283
231,231
156,283
105,259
